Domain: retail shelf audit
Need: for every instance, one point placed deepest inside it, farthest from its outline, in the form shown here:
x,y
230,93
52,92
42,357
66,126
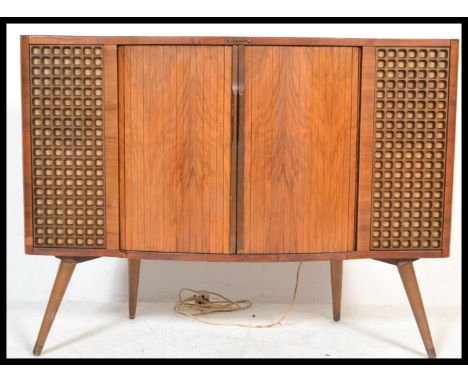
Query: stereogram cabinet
x,y
238,149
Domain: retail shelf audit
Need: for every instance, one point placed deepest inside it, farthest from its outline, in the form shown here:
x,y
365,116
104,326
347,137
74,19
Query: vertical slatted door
x,y
300,113
177,141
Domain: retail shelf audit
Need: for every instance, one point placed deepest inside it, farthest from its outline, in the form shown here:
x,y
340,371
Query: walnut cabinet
x,y
238,149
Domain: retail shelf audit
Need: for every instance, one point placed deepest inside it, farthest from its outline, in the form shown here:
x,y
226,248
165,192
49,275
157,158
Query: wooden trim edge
x,y
226,40
240,151
111,146
121,127
209,257
73,252
26,137
234,153
366,147
450,159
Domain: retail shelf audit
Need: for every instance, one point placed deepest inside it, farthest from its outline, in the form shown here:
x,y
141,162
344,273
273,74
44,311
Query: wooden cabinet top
x,y
220,40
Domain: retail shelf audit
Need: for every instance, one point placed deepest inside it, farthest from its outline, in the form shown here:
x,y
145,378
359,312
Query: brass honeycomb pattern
x,y
67,144
410,136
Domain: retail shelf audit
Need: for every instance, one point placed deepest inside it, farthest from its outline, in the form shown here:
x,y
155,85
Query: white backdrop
x,y
365,282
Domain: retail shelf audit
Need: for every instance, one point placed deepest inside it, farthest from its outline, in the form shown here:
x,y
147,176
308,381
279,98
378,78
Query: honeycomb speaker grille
x,y
67,144
410,136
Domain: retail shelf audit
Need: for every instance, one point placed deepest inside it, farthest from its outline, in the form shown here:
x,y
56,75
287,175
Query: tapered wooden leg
x,y
133,280
410,283
408,277
336,270
64,273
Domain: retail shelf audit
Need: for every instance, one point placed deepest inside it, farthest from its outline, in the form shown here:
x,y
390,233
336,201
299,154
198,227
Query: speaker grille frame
x,y
67,145
410,148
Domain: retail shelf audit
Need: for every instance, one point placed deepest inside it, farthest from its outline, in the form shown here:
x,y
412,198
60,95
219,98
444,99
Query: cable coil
x,y
202,303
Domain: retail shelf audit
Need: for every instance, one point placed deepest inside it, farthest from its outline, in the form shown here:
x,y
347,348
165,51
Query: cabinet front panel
x,y
299,150
176,103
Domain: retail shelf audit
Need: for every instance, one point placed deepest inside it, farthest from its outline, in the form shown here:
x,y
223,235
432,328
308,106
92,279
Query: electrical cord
x,y
201,303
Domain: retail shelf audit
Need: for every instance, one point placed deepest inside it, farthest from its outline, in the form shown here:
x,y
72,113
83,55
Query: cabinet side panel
x,y
366,145
68,143
26,131
453,77
111,144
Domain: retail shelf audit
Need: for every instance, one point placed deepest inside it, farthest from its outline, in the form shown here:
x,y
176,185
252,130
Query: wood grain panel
x,y
122,78
299,130
366,144
111,142
177,148
452,115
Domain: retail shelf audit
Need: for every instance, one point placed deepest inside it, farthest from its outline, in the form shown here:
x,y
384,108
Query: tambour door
x,y
297,158
175,111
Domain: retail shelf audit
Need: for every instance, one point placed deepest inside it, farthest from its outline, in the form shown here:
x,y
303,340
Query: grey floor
x,y
95,330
